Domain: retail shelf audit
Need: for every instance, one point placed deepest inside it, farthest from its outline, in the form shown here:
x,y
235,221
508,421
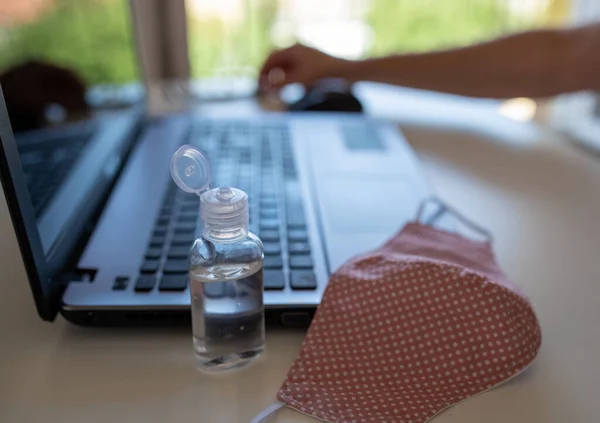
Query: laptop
x,y
104,232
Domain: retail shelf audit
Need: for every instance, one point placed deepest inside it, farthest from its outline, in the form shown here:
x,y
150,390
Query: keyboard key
x,y
190,207
269,224
157,241
273,262
297,235
254,228
268,203
293,202
145,283
299,248
184,228
187,198
301,262
273,279
149,266
191,204
187,218
176,266
289,171
269,196
214,289
269,236
173,282
166,217
120,283
272,248
303,279
189,214
269,214
163,221
154,252
186,239
178,252
295,218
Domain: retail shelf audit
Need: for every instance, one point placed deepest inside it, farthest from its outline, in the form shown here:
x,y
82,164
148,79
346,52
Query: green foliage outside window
x,y
92,37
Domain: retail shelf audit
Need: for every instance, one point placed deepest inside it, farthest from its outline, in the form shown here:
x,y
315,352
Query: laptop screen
x,y
72,97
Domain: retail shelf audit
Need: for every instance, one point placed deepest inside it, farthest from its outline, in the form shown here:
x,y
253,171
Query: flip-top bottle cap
x,y
190,170
224,209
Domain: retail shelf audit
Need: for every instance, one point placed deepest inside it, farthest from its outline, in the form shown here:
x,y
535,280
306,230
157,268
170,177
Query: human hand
x,y
31,87
298,64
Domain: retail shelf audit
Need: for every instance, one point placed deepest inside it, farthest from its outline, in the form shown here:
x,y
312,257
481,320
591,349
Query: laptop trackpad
x,y
360,212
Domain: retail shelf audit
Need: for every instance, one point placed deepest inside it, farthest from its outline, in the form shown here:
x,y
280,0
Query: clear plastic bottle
x,y
226,271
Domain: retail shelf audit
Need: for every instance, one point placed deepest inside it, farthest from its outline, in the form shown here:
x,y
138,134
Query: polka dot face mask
x,y
409,330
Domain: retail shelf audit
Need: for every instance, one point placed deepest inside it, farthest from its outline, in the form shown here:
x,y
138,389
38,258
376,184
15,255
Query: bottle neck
x,y
224,214
217,234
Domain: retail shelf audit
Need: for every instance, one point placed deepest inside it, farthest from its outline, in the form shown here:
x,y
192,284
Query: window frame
x,y
161,45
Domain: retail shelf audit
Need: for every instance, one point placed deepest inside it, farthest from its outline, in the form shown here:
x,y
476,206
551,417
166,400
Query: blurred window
x,y
233,36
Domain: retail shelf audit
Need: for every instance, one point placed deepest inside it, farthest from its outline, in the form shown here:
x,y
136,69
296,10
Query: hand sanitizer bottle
x,y
225,270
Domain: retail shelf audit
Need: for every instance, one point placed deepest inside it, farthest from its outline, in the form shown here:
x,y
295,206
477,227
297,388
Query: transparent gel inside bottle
x,y
225,270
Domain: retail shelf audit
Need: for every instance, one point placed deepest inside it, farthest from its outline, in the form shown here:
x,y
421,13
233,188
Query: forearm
x,y
531,64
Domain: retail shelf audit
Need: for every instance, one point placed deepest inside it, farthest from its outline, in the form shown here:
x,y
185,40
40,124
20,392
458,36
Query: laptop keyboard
x,y
258,160
47,164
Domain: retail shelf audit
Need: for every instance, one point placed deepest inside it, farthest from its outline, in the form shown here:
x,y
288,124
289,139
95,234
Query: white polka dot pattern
x,y
399,338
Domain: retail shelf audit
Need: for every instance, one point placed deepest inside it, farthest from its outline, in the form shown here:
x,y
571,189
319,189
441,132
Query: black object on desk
x,y
328,95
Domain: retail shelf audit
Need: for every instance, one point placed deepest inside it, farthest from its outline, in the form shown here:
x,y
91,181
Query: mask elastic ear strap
x,y
443,208
260,417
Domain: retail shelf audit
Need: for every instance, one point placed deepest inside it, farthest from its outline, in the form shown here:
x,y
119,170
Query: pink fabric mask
x,y
410,329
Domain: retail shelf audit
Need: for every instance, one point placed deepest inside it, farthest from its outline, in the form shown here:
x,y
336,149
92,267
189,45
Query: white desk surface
x,y
537,194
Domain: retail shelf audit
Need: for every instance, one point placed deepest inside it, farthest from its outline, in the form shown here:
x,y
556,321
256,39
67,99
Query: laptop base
x,y
274,318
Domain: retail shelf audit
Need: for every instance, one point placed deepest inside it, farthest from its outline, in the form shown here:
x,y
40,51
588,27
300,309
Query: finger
x,y
276,77
278,63
274,60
